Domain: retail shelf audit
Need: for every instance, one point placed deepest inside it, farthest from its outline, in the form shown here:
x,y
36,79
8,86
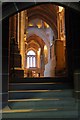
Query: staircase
x,y
41,98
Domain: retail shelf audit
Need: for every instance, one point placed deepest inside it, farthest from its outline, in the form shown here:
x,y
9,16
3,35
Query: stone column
x,y
18,29
22,42
23,33
72,21
42,62
50,66
38,58
60,56
60,44
58,24
13,27
15,57
5,61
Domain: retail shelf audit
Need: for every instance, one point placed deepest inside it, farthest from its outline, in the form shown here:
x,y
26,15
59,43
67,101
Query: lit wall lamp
x,y
46,25
39,25
30,24
60,9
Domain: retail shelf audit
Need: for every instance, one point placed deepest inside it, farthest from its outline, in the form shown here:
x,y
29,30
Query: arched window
x,y
31,59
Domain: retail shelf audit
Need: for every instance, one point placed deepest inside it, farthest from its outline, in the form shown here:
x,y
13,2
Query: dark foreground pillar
x,y
5,59
77,84
72,23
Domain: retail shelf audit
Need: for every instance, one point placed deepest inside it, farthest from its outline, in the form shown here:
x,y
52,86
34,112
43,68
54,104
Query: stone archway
x,y
10,9
35,32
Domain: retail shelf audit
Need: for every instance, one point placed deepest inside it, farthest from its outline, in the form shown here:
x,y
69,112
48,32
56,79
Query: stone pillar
x,y
13,26
15,61
72,21
22,38
23,23
60,50
5,61
42,65
50,66
15,57
25,49
58,24
60,57
77,84
46,54
18,29
50,69
38,58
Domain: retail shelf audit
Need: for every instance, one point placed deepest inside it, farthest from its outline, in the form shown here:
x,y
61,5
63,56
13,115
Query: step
x,y
25,94
43,104
40,80
39,113
38,86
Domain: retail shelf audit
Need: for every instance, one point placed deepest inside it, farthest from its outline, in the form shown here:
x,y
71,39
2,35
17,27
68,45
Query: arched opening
x,y
31,59
39,27
72,56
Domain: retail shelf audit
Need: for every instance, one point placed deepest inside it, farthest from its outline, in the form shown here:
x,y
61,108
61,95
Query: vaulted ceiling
x,y
47,13
35,42
37,37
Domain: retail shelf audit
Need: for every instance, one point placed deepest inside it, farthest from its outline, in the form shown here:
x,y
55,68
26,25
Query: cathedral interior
x,y
40,60
38,42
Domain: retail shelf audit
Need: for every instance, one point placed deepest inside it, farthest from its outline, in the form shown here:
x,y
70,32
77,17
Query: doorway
x,y
41,30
